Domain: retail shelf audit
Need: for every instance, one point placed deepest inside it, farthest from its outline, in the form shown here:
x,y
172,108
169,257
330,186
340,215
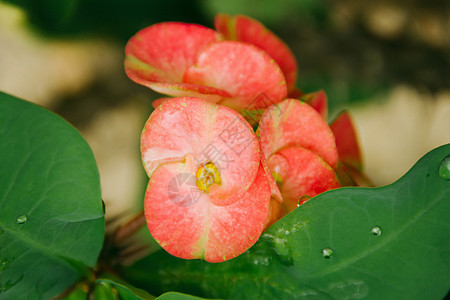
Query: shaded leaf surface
x,y
410,259
128,292
123,290
51,218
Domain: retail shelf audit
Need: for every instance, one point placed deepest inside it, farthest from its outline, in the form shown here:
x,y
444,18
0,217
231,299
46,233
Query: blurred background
x,y
386,61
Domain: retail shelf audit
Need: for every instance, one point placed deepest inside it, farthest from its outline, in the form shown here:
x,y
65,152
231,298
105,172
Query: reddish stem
x,y
128,229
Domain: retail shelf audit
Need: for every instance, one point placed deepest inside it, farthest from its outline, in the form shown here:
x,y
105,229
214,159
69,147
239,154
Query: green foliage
x,y
51,217
123,290
349,243
269,12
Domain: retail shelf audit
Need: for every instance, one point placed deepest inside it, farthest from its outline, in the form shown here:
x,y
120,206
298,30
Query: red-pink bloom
x,y
350,168
245,29
300,150
208,194
242,65
214,186
304,154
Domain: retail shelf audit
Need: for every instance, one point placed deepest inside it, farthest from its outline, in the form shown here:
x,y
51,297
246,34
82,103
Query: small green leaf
x,y
389,242
177,296
125,291
51,219
104,291
128,292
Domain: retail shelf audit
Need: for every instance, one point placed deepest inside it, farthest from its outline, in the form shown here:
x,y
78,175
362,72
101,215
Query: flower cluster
x,y
216,184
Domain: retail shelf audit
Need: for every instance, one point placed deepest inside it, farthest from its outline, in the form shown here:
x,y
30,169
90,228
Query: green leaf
x,y
128,292
177,296
125,291
104,291
78,292
389,242
51,218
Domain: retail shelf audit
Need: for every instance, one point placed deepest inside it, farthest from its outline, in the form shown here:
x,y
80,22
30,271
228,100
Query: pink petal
x,y
245,29
304,173
295,93
185,90
275,191
346,140
276,212
163,52
295,123
319,101
158,102
252,78
188,225
193,127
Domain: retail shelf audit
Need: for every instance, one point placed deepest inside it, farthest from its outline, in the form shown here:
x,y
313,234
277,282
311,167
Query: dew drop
x,y
444,169
21,219
376,231
3,264
303,199
327,252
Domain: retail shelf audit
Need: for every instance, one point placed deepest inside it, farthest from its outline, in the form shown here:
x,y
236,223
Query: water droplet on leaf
x,y
3,264
21,219
327,252
376,231
303,199
444,169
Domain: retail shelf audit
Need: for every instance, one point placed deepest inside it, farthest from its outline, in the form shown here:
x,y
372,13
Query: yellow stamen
x,y
207,175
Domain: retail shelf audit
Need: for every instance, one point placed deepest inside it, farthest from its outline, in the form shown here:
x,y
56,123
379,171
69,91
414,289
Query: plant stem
x,y
129,228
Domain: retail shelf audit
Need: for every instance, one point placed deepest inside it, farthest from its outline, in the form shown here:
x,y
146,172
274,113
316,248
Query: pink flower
x,y
305,155
208,194
241,65
300,151
214,184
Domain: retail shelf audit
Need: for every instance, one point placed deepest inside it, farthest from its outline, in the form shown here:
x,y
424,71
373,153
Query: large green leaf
x,y
51,218
389,242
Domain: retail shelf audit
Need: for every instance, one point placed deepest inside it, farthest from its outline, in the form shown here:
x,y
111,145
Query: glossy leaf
x,y
127,292
177,296
51,218
123,290
388,242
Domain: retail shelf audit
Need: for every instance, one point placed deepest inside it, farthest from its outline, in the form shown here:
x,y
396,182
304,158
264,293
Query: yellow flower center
x,y
207,175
